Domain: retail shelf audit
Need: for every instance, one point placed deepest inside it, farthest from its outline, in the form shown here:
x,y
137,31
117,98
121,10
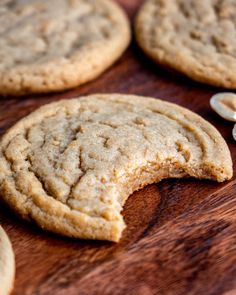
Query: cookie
x,y
192,37
54,45
7,264
71,165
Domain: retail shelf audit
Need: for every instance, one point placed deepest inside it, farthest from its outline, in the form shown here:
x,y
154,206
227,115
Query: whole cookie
x,y
196,38
7,264
71,165
55,45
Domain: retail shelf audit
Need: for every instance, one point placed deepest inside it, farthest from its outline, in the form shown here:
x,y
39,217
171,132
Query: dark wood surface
x,y
181,234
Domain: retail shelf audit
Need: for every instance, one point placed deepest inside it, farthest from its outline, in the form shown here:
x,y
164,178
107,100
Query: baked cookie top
x,y
7,264
58,44
71,165
197,38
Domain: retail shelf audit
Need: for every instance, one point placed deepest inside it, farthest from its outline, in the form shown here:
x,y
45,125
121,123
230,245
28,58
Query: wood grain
x,y
181,234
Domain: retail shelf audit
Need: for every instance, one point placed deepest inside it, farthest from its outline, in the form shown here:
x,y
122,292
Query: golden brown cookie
x,y
7,264
71,165
55,45
196,38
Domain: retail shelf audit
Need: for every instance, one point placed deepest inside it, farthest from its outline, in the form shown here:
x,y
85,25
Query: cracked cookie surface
x,y
71,165
197,38
7,264
55,45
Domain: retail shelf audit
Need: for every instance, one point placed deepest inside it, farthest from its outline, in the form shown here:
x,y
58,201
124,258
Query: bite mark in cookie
x,y
71,165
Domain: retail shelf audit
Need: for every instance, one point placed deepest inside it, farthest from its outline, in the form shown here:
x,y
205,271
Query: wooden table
x,y
181,234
